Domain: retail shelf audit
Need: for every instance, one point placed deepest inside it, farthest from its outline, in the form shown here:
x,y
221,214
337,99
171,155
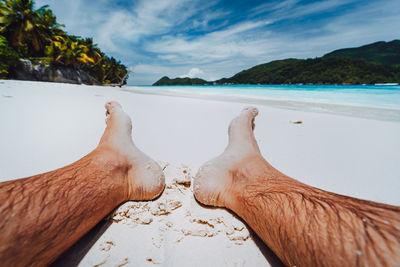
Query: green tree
x,y
36,33
68,52
8,57
21,23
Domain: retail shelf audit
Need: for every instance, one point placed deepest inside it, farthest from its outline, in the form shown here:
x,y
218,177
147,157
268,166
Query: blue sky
x,y
217,38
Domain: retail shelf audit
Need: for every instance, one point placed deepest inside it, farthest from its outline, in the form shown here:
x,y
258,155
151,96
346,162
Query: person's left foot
x,y
218,179
145,177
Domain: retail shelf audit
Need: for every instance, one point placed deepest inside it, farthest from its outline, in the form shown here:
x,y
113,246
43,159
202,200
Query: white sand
x,y
45,126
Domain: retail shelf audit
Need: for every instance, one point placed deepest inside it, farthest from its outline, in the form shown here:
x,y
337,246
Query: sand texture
x,y
173,229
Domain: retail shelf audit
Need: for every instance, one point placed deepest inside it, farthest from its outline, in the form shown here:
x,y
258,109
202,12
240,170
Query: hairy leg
x,y
45,214
303,225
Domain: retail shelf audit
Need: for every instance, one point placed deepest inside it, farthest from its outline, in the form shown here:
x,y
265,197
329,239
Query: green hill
x,y
374,63
181,81
316,71
387,53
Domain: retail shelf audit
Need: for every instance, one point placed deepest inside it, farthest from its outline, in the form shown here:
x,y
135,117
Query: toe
x,y
244,122
112,106
251,111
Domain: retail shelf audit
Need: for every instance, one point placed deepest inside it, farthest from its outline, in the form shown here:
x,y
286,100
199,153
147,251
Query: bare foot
x,y
145,177
217,179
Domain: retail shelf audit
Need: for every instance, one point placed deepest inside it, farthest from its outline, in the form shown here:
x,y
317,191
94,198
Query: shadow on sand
x,y
74,255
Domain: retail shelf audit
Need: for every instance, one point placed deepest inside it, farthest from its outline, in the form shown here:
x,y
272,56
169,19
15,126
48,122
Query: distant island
x,y
181,81
34,46
370,64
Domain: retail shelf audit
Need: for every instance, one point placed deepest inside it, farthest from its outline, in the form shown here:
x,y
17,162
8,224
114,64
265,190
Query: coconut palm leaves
x,y
68,52
20,23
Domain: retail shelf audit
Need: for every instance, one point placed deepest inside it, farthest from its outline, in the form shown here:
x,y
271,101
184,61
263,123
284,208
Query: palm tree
x,y
35,33
92,50
114,71
45,30
20,23
68,52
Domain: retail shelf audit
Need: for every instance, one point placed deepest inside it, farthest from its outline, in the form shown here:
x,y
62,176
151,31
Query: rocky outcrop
x,y
26,70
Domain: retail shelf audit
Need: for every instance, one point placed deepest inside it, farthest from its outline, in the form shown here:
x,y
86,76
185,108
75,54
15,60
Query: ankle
x,y
115,164
251,172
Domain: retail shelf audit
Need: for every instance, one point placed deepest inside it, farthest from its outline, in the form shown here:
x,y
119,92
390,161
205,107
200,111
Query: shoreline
x,y
352,110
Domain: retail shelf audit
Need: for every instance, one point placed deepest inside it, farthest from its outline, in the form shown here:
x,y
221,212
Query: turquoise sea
x,y
371,101
369,95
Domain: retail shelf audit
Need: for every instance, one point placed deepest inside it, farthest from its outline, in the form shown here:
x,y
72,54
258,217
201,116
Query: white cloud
x,y
145,68
203,22
273,6
215,46
193,73
292,9
111,25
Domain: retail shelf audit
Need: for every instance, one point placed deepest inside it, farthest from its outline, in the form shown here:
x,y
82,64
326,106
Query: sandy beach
x,y
45,126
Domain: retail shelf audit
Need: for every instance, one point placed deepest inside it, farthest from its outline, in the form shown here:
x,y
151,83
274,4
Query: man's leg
x,y
303,225
43,215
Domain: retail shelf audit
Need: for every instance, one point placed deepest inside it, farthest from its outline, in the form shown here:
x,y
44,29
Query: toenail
x,y
254,111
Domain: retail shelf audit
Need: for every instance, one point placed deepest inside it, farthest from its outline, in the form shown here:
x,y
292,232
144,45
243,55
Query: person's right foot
x,y
217,179
145,178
